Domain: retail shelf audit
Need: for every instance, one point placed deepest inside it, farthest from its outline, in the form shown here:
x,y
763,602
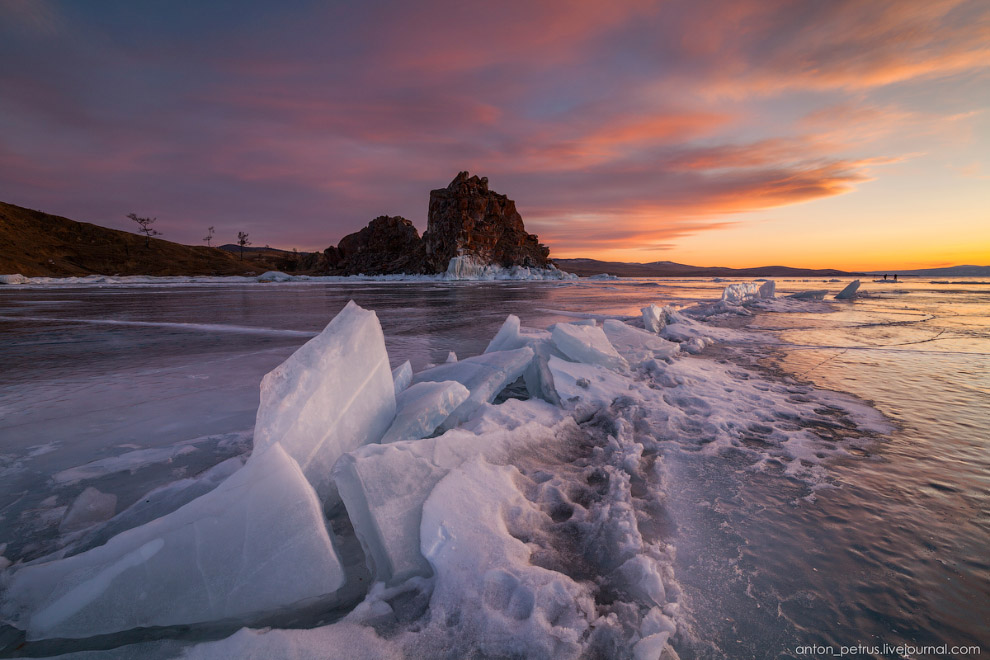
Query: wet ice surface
x,y
868,542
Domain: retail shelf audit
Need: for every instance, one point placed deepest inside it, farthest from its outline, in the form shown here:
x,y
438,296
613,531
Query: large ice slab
x,y
538,379
483,375
587,344
849,292
384,486
743,292
634,344
422,407
333,394
586,383
654,318
255,544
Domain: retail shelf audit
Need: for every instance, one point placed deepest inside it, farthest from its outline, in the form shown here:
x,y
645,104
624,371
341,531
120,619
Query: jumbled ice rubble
x,y
337,426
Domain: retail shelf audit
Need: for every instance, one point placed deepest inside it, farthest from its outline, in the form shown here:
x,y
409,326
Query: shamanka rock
x,y
468,219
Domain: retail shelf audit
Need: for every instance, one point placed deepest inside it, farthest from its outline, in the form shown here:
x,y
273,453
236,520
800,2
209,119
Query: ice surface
x,y
849,292
89,508
483,375
257,543
402,376
384,486
275,276
743,292
333,394
421,408
636,345
588,344
654,318
15,278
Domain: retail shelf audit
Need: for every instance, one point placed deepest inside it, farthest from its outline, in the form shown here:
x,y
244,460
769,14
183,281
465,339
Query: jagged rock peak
x,y
468,219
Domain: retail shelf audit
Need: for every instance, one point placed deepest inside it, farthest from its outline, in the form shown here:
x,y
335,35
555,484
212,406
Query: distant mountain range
x,y
585,267
950,271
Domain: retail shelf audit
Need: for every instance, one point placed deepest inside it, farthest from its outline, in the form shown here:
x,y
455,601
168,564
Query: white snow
x,y
335,393
15,278
422,407
587,383
586,343
235,552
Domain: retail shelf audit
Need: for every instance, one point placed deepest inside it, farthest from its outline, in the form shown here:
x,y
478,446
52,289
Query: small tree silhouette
x,y
242,240
209,237
144,227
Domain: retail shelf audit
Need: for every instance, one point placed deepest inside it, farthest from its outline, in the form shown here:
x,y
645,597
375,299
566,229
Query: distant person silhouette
x,y
885,277
895,277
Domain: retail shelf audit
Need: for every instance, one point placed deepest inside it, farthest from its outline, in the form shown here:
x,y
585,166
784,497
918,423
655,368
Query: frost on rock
x,y
516,609
635,345
333,394
849,292
384,486
587,344
483,375
89,508
744,292
421,408
256,544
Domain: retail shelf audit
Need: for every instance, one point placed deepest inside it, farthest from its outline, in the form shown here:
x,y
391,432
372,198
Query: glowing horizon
x,y
736,133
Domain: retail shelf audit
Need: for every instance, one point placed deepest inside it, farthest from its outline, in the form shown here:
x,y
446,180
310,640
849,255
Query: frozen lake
x,y
127,388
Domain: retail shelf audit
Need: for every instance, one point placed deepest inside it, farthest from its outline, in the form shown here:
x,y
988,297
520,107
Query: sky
x,y
849,134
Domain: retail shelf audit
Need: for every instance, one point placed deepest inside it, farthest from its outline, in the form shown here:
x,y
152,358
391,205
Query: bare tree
x,y
209,237
144,227
242,240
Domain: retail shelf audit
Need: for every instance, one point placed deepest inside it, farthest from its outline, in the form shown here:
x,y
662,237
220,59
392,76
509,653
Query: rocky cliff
x,y
466,219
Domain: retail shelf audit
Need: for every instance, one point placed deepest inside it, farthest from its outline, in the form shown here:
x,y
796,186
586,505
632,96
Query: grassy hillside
x,y
36,244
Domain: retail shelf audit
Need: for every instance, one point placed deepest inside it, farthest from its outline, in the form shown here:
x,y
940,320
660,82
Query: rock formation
x,y
465,219
468,219
389,244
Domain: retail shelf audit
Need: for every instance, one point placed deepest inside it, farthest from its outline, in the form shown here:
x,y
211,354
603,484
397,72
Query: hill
x,y
950,271
38,244
585,267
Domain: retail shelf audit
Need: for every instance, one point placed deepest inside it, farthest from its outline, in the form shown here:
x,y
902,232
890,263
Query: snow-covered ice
x,y
743,292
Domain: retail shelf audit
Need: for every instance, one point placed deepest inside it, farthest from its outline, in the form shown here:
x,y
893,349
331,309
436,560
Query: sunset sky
x,y
848,134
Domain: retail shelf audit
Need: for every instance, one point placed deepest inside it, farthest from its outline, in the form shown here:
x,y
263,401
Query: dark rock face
x,y
389,244
466,218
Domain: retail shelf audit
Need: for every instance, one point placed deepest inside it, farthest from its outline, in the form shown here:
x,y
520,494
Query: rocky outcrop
x,y
468,219
389,244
